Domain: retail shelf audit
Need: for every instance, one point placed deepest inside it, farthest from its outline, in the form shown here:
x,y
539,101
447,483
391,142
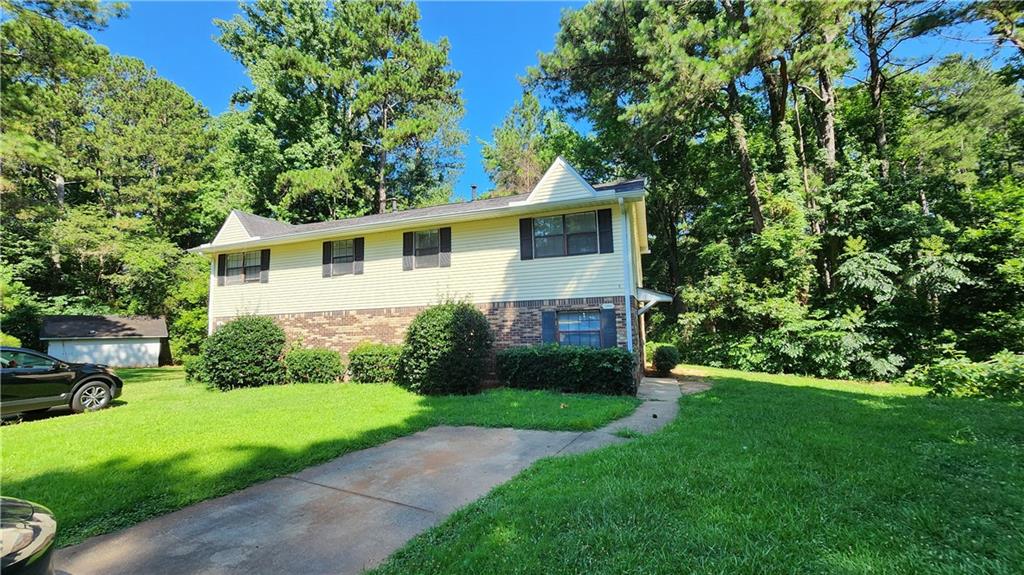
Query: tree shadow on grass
x,y
121,491
761,476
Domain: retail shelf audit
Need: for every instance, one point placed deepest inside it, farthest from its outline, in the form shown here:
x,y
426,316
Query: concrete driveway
x,y
348,514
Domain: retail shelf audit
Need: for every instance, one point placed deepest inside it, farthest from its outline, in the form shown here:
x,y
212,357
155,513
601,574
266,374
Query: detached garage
x,y
119,341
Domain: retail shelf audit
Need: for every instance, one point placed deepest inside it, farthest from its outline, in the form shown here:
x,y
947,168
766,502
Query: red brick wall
x,y
514,323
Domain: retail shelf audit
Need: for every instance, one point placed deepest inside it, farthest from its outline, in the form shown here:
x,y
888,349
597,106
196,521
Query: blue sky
x,y
492,44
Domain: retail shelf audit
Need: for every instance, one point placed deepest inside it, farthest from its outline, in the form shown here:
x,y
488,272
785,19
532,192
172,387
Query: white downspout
x,y
627,274
209,295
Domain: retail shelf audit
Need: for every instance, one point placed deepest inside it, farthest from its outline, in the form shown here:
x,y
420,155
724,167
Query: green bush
x,y
446,350
313,365
9,340
372,362
664,357
1001,377
244,353
568,369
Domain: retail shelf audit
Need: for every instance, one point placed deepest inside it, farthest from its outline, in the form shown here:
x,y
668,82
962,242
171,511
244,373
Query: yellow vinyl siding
x,y
485,268
559,183
231,231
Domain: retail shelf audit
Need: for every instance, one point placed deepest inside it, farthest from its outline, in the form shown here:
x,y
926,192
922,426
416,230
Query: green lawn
x,y
763,474
167,444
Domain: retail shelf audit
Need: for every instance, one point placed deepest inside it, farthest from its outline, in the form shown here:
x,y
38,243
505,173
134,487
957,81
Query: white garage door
x,y
141,352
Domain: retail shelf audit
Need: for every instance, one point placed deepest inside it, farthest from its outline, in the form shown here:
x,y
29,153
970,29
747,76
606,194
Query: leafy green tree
x,y
527,142
363,110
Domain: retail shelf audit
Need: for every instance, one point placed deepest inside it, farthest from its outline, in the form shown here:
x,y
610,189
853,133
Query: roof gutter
x,y
414,221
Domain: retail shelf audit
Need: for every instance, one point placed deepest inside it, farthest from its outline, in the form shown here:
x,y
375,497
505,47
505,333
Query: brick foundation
x,y
514,323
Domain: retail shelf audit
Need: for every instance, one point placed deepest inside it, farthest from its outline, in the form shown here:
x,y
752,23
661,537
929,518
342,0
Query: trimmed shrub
x,y
244,353
568,368
313,365
9,340
372,362
664,357
1000,377
446,350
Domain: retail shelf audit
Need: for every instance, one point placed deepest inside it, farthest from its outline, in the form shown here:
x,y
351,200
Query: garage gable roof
x,y
101,326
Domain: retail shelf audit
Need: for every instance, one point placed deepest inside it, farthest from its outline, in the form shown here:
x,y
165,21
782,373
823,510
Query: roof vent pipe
x,y
472,193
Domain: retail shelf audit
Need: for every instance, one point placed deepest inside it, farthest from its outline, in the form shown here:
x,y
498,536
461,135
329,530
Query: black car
x,y
33,381
27,531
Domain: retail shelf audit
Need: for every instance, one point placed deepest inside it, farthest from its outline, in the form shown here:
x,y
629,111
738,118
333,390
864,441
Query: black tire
x,y
92,395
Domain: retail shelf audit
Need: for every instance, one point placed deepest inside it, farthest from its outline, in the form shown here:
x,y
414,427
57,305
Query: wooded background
x,y
818,202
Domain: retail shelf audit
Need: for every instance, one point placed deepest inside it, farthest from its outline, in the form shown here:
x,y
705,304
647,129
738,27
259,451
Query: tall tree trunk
x,y
776,85
821,261
674,276
876,85
382,189
739,138
828,124
382,166
59,184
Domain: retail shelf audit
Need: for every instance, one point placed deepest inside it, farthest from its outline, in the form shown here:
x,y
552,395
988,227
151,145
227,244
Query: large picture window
x,y
565,235
426,248
242,268
582,328
343,254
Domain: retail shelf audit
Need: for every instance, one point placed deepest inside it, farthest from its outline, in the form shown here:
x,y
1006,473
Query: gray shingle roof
x,y
259,226
101,326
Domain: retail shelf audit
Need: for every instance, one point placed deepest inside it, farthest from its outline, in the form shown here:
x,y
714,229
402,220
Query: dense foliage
x,y
811,210
806,223
1001,377
371,362
447,348
313,365
570,369
245,352
110,172
664,357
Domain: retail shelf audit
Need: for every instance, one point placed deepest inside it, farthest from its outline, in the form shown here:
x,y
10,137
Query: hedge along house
x,y
560,264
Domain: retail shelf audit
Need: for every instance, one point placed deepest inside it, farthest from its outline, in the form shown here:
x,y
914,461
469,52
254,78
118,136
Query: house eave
x,y
413,222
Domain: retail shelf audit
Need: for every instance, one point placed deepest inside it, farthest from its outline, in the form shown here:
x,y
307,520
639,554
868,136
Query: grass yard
x,y
763,474
167,444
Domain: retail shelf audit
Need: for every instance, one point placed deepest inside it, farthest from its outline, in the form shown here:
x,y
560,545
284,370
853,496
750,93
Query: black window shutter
x,y
222,268
526,238
608,331
326,260
604,231
407,251
444,237
264,266
357,249
547,326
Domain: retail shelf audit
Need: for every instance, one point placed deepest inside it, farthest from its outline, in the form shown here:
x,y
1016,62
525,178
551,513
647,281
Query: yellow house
x,y
560,264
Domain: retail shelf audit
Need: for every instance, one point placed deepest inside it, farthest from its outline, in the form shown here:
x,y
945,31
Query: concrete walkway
x,y
348,514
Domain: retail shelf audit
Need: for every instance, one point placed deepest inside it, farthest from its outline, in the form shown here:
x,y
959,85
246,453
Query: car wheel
x,y
91,396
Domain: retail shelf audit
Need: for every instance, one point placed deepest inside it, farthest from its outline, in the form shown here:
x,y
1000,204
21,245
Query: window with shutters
x,y
565,235
242,268
582,328
343,254
426,247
